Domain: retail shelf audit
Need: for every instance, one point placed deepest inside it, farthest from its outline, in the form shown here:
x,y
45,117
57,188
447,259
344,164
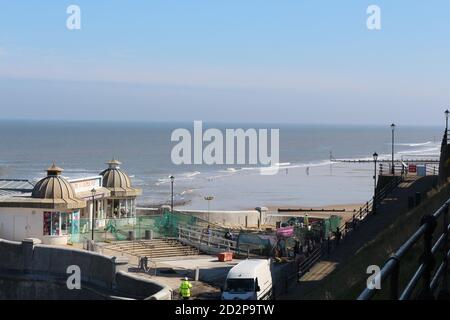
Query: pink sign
x,y
285,231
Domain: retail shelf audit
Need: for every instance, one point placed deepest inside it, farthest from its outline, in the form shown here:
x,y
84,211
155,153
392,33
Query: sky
x,y
293,61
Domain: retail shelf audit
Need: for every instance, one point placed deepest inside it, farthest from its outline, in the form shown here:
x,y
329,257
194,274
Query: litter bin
x,y
421,170
147,234
131,235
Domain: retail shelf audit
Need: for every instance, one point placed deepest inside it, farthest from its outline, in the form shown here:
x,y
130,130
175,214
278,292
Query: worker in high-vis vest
x,y
185,289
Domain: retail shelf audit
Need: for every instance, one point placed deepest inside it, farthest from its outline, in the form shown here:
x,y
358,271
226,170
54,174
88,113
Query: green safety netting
x,y
165,225
331,224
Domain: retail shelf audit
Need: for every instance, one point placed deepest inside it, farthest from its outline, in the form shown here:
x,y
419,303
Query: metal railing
x,y
348,227
402,168
306,264
380,195
432,277
198,236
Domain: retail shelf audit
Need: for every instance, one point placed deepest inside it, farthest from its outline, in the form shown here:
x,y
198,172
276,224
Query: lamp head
x,y
447,113
172,178
375,156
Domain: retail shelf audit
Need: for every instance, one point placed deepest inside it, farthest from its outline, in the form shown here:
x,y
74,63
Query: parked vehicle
x,y
249,280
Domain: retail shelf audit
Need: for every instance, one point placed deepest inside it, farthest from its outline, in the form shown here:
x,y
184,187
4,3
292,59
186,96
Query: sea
x,y
306,176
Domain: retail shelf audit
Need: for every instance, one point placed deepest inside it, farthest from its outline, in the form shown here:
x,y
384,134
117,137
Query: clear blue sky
x,y
308,61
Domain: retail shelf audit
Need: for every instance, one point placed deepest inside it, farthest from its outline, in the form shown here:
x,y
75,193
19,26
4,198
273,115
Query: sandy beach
x,y
316,212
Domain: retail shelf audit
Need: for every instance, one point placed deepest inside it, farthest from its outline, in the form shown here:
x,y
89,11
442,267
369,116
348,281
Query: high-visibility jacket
x,y
185,289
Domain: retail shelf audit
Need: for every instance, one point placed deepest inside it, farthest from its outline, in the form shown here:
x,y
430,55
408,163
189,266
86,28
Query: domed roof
x,y
114,178
53,186
118,182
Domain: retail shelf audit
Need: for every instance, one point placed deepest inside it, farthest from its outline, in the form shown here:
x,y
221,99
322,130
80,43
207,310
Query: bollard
x,y
197,274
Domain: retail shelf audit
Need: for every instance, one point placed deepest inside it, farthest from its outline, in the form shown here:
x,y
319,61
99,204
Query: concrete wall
x,y
20,223
283,275
247,218
29,270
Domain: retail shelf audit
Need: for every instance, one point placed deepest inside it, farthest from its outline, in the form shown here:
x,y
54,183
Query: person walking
x,y
185,289
338,235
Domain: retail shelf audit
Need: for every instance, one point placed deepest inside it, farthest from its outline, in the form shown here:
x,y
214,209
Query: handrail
x,y
200,238
360,215
424,271
305,265
402,168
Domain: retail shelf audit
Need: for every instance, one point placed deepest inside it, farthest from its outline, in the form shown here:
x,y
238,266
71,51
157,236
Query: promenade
x,y
315,284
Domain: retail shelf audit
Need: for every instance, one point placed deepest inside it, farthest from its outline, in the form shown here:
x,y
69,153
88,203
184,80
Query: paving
x,y
212,274
170,270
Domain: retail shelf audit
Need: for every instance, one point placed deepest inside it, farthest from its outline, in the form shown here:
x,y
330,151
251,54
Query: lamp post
x,y
392,164
375,158
93,191
209,198
172,178
446,121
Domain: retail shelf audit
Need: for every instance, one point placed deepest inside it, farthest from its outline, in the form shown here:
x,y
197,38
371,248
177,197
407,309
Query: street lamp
x,y
446,120
392,164
375,158
209,198
93,191
172,178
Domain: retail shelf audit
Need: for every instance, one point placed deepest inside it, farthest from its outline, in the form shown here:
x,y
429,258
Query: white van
x,y
249,280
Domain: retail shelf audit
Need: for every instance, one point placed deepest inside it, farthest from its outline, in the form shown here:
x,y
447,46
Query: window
x,y
57,223
240,285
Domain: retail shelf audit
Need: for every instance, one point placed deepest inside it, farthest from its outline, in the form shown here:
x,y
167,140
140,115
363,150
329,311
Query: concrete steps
x,y
157,248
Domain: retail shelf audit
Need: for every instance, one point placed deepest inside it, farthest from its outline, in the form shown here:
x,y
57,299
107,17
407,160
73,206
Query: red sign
x,y
412,168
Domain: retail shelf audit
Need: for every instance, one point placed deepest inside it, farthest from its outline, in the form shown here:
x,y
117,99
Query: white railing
x,y
197,237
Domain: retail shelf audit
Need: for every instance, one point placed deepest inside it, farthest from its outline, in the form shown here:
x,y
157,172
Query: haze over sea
x,y
27,148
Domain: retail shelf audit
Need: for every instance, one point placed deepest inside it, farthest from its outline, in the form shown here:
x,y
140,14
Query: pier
x,y
413,161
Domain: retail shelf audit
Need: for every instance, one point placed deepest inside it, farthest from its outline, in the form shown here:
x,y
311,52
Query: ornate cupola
x,y
117,181
113,177
53,186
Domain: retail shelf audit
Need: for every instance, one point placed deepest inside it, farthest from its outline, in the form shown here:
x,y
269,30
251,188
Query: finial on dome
x,y
54,170
114,164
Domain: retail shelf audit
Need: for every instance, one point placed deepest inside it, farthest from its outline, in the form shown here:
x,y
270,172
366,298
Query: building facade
x,y
57,210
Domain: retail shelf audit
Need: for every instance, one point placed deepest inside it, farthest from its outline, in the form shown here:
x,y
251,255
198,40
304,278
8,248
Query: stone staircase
x,y
156,248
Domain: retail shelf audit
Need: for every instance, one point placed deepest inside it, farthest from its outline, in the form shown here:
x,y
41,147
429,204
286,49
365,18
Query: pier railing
x,y
402,168
428,277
